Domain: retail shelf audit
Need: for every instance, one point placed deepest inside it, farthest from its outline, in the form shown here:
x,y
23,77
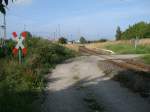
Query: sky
x,y
93,19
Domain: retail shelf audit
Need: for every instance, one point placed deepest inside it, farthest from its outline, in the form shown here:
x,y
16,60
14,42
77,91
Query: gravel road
x,y
75,80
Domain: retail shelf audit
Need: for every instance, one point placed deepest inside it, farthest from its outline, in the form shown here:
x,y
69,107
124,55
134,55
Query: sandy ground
x,y
70,83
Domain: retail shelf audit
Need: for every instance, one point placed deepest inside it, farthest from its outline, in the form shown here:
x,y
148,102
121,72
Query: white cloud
x,y
23,2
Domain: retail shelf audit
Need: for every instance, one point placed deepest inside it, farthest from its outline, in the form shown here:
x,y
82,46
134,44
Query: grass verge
x,y
128,49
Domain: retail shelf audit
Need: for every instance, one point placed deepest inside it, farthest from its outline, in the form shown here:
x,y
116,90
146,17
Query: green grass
x,y
128,49
146,58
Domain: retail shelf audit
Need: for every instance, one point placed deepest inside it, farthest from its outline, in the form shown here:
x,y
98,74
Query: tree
x,y
83,40
118,33
140,30
3,4
147,32
103,40
62,40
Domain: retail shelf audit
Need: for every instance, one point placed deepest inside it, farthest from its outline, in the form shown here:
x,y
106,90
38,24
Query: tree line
x,y
139,30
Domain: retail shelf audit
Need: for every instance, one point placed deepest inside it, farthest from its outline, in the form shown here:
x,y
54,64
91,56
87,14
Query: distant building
x,y
71,42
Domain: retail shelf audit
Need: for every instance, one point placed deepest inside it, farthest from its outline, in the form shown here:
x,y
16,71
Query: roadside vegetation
x,y
128,48
21,85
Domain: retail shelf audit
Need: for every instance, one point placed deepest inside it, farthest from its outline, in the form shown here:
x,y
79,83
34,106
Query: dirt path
x,y
70,85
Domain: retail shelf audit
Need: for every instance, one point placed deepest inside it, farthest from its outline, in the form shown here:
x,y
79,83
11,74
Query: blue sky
x,y
90,18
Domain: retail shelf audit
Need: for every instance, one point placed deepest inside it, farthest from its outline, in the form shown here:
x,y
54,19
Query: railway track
x,y
126,64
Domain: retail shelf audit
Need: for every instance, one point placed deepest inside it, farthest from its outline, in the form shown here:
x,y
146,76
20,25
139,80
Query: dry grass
x,y
102,44
144,42
73,47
